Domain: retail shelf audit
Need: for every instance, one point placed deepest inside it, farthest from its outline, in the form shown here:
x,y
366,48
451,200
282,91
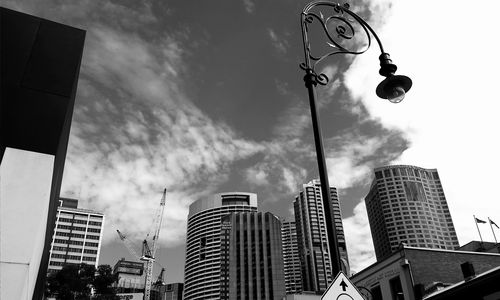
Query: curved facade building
x,y
406,204
202,273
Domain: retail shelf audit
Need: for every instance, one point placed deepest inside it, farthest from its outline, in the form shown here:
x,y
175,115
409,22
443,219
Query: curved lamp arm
x,y
342,18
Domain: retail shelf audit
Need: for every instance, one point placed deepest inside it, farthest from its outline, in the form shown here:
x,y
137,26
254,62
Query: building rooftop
x,y
81,210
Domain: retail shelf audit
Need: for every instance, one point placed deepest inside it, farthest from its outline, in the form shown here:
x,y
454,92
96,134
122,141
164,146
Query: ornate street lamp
x,y
338,25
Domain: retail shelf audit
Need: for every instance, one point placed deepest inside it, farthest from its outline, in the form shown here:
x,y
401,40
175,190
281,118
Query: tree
x,y
103,283
71,282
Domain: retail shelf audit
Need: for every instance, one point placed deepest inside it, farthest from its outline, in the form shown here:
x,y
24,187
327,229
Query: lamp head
x,y
394,88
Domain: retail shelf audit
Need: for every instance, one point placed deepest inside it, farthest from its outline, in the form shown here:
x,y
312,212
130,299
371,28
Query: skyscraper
x,y
252,257
406,204
203,277
291,259
312,237
77,237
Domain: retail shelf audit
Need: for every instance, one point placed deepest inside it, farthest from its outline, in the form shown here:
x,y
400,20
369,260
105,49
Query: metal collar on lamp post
x,y
339,24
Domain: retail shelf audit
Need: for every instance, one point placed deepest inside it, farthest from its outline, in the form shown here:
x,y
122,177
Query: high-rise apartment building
x,y
77,236
312,236
203,277
406,204
291,258
252,257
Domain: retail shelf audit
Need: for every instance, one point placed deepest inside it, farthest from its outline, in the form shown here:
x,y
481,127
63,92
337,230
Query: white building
x,y
202,273
77,236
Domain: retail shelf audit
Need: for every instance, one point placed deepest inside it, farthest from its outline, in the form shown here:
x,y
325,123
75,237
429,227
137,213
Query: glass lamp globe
x,y
394,88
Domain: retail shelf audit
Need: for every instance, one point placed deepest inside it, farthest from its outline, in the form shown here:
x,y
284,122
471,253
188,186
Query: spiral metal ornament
x,y
337,27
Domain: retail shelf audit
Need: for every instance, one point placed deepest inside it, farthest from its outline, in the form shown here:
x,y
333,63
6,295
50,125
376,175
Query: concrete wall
x,y
25,184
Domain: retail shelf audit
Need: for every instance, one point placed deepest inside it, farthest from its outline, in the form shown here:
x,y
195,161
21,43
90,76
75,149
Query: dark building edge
x,y
60,153
57,176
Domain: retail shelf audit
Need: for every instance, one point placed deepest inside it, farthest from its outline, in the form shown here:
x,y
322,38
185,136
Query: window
x,y
396,289
376,292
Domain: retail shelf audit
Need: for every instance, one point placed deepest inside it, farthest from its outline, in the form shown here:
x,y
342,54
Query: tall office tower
x,y
252,257
77,237
406,204
291,260
202,272
312,237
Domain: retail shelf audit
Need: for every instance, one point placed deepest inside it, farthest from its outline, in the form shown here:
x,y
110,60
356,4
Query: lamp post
x,y
338,25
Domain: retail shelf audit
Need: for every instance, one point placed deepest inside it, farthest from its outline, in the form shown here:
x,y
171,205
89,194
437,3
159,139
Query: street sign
x,y
342,289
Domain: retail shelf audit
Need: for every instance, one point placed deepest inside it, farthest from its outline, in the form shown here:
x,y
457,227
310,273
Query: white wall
x,y
25,182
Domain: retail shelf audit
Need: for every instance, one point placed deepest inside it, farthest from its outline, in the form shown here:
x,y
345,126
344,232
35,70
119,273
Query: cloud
x,y
358,239
257,175
134,130
280,44
353,156
449,115
249,6
276,171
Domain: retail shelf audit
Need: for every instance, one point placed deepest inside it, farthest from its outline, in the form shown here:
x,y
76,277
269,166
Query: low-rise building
x,y
412,273
483,286
169,291
130,276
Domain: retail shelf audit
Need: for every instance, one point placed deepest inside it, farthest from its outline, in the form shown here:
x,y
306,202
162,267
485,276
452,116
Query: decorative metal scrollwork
x,y
320,79
338,27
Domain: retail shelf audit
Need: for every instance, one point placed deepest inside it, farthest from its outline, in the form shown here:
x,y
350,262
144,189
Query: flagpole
x,y
480,237
492,231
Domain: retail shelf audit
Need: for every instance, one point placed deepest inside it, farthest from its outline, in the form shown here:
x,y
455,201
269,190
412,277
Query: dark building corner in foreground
x,y
39,63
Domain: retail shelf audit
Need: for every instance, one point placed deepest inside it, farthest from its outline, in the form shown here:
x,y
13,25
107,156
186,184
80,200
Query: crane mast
x,y
148,253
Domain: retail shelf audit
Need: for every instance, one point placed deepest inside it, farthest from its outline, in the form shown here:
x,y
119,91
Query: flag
x,y
479,221
493,223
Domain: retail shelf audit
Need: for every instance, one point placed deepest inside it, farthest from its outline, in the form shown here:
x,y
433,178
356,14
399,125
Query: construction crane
x,y
128,244
148,253
160,281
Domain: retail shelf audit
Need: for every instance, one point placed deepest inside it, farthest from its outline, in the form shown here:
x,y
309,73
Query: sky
x,y
202,97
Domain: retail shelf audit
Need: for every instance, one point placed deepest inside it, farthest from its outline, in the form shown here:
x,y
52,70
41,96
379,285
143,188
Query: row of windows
x,y
433,175
80,243
77,235
73,257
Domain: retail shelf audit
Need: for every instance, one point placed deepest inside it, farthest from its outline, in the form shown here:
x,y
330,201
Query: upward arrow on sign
x,y
343,285
342,289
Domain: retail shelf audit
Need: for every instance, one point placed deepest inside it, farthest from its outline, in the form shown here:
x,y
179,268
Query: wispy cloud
x,y
279,42
353,156
249,6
